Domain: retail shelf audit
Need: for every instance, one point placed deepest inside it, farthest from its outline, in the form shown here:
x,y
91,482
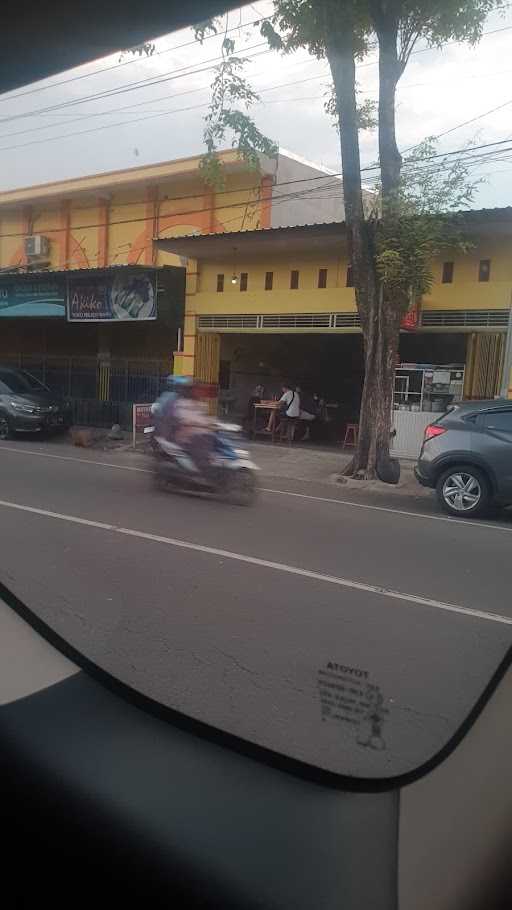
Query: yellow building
x,y
265,305
71,238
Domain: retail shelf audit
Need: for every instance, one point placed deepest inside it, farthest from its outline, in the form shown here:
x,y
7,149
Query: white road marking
x,y
101,464
265,563
363,505
465,522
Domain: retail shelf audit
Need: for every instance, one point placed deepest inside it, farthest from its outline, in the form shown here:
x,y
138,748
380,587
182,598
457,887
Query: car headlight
x,y
25,408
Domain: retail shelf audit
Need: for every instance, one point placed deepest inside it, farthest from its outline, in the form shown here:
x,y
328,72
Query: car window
x,y
496,420
19,382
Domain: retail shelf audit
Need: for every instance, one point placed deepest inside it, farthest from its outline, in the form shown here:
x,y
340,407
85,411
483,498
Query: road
x,y
215,610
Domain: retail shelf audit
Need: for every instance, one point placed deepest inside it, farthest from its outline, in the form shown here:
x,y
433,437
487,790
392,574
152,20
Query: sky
x,y
124,111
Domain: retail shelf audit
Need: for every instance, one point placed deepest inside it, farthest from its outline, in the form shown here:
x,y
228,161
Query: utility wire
x,y
115,66
283,197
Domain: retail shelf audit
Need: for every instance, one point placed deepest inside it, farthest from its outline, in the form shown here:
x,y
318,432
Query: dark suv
x,y
467,457
27,405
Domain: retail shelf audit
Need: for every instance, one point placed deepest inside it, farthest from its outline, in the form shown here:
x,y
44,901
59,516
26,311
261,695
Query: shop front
x,y
103,338
267,306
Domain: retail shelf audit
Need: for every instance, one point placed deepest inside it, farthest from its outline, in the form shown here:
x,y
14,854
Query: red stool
x,y
351,435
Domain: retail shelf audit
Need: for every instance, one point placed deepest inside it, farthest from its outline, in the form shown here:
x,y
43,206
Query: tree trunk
x,y
389,74
380,335
380,315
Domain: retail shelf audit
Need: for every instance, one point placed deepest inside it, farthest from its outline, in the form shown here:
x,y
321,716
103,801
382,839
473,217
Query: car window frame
x,y
483,415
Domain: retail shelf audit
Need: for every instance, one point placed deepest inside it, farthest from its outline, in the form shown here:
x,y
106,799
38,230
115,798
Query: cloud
x,y
147,110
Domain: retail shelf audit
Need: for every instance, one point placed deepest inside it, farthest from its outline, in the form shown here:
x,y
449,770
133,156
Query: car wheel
x,y
464,491
5,427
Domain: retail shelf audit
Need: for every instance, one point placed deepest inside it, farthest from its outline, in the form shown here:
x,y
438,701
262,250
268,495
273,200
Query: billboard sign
x,y
125,296
32,297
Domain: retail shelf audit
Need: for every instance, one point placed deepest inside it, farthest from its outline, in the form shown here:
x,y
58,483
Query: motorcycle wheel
x,y
242,488
159,481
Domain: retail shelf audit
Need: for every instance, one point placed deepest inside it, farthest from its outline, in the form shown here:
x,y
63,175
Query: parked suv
x,y
467,457
29,406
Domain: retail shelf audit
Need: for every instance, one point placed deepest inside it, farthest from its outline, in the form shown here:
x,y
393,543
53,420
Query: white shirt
x,y
292,400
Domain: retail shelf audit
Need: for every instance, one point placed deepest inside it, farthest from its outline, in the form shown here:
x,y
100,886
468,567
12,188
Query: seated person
x,y
289,409
309,413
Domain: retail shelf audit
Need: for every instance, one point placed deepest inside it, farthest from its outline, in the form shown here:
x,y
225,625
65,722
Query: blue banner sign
x,y
35,297
128,296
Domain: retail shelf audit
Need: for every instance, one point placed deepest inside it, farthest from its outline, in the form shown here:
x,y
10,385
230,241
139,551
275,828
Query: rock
x,y
116,432
82,437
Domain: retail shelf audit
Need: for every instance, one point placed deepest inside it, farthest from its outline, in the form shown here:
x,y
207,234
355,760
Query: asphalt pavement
x,y
227,613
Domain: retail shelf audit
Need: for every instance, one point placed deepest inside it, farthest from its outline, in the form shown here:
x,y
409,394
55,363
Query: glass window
x,y
294,279
220,283
447,273
322,278
243,281
19,381
484,270
269,281
496,420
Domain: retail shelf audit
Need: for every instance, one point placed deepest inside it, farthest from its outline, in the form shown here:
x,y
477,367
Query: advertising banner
x,y
128,296
32,297
141,418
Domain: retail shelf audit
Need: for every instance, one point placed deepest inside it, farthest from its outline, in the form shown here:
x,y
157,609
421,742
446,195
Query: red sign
x,y
141,418
411,320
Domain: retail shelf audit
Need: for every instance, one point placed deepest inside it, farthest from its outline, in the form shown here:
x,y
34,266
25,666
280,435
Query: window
x,y
484,270
17,381
220,283
243,281
294,279
447,273
269,281
496,420
322,278
350,277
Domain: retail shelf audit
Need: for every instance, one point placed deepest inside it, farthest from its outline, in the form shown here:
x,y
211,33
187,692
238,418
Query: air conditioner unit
x,y
37,247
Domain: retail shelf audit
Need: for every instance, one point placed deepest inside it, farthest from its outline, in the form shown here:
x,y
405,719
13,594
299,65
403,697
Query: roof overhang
x,y
215,247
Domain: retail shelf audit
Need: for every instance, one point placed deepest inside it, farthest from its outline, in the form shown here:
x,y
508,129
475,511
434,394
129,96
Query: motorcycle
x,y
232,476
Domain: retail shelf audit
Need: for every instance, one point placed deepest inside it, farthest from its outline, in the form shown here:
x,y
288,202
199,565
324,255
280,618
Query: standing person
x,y
289,409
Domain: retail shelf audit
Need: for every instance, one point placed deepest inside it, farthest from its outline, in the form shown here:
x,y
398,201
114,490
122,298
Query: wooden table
x,y
264,407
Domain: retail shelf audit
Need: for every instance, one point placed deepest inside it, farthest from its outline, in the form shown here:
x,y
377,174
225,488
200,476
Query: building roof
x,y
302,237
109,180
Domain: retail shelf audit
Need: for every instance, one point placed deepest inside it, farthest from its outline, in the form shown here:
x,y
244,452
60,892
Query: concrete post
x,y
506,380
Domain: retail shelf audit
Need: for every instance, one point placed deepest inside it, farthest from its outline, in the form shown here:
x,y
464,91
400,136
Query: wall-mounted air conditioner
x,y
37,247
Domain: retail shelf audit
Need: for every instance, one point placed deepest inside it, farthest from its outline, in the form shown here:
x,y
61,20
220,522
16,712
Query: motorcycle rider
x,y
183,420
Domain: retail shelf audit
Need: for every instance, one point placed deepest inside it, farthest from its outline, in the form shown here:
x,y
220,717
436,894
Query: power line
x,y
148,82
115,66
284,197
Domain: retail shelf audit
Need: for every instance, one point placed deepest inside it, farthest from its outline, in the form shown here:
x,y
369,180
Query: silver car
x,y
466,457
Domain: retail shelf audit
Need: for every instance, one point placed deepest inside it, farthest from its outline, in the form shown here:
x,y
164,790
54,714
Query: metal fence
x,y
101,395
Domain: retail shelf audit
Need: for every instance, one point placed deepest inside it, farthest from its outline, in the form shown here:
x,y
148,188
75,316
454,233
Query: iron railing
x,y
101,393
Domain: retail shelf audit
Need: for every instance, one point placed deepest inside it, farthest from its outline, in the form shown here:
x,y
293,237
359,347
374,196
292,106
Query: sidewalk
x,y
310,464
325,466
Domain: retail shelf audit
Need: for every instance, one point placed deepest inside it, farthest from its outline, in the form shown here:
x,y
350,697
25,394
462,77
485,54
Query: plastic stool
x,y
351,435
